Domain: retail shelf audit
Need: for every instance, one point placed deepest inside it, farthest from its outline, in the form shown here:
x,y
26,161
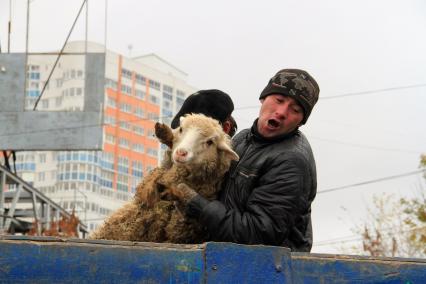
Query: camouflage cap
x,y
297,84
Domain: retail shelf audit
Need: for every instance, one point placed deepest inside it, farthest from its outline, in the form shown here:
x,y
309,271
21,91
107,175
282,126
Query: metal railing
x,y
42,209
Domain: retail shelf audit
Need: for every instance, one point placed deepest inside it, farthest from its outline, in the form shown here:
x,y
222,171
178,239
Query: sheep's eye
x,y
209,142
180,129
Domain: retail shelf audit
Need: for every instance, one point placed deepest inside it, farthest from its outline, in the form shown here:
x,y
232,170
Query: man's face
x,y
278,115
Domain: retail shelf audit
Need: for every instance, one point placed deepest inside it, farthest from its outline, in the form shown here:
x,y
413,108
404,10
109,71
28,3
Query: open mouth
x,y
272,123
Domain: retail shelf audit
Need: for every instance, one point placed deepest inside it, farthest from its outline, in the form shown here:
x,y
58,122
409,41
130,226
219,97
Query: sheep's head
x,y
200,140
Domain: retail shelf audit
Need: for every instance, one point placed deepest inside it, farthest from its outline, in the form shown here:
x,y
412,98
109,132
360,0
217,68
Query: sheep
x,y
200,156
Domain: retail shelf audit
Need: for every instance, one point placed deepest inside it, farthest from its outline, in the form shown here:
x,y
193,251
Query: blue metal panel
x,y
53,260
311,268
65,263
232,263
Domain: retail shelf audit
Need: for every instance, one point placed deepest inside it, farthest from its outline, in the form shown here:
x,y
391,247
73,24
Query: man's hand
x,y
183,193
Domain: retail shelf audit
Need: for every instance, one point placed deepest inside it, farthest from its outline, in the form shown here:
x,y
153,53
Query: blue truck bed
x,y
55,260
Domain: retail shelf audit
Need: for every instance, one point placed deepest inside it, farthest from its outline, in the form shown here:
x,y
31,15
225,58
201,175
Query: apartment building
x,y
138,92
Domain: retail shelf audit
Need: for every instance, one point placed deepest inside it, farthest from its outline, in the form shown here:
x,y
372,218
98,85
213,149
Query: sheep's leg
x,y
164,134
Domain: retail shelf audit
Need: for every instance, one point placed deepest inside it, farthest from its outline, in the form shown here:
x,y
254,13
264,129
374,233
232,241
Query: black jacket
x,y
266,197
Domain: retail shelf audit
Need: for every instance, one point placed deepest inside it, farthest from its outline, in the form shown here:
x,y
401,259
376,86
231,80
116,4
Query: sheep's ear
x,y
222,145
164,134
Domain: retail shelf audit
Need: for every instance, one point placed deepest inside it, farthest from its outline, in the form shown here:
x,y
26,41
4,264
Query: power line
x,y
326,243
370,181
354,238
373,91
365,146
344,95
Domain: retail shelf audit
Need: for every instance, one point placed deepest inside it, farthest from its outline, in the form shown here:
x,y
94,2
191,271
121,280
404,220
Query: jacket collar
x,y
259,138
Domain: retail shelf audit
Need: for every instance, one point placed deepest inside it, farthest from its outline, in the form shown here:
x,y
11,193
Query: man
x,y
266,197
213,103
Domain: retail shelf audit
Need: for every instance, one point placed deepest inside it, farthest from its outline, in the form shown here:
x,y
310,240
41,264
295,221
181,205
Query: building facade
x,y
138,92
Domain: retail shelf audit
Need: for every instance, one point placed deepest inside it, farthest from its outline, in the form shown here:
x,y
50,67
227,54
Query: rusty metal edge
x,y
344,257
43,239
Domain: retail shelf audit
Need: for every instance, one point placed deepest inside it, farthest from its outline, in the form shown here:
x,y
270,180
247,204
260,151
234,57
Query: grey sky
x,y
236,46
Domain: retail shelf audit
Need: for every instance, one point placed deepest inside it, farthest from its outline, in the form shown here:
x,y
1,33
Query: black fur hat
x,y
213,103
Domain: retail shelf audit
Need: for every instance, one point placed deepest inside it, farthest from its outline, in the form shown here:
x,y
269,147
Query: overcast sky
x,y
348,46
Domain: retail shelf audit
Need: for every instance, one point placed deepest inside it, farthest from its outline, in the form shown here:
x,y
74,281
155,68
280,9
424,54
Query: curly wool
x,y
152,215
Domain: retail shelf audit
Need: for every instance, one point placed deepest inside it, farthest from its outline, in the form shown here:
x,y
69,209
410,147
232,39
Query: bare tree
x,y
395,227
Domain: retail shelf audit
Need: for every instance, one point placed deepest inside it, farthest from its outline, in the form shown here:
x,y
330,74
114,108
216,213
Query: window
x,y
41,176
125,107
126,89
110,139
59,83
152,152
167,89
124,142
153,99
167,114
140,94
109,83
107,160
167,96
139,112
126,73
42,158
33,93
180,94
123,165
109,120
111,102
83,158
29,158
179,101
152,116
154,84
140,79
58,101
167,104
34,75
125,125
45,103
138,130
137,169
138,148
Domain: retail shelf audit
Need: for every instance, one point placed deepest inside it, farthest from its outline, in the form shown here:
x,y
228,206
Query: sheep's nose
x,y
181,152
